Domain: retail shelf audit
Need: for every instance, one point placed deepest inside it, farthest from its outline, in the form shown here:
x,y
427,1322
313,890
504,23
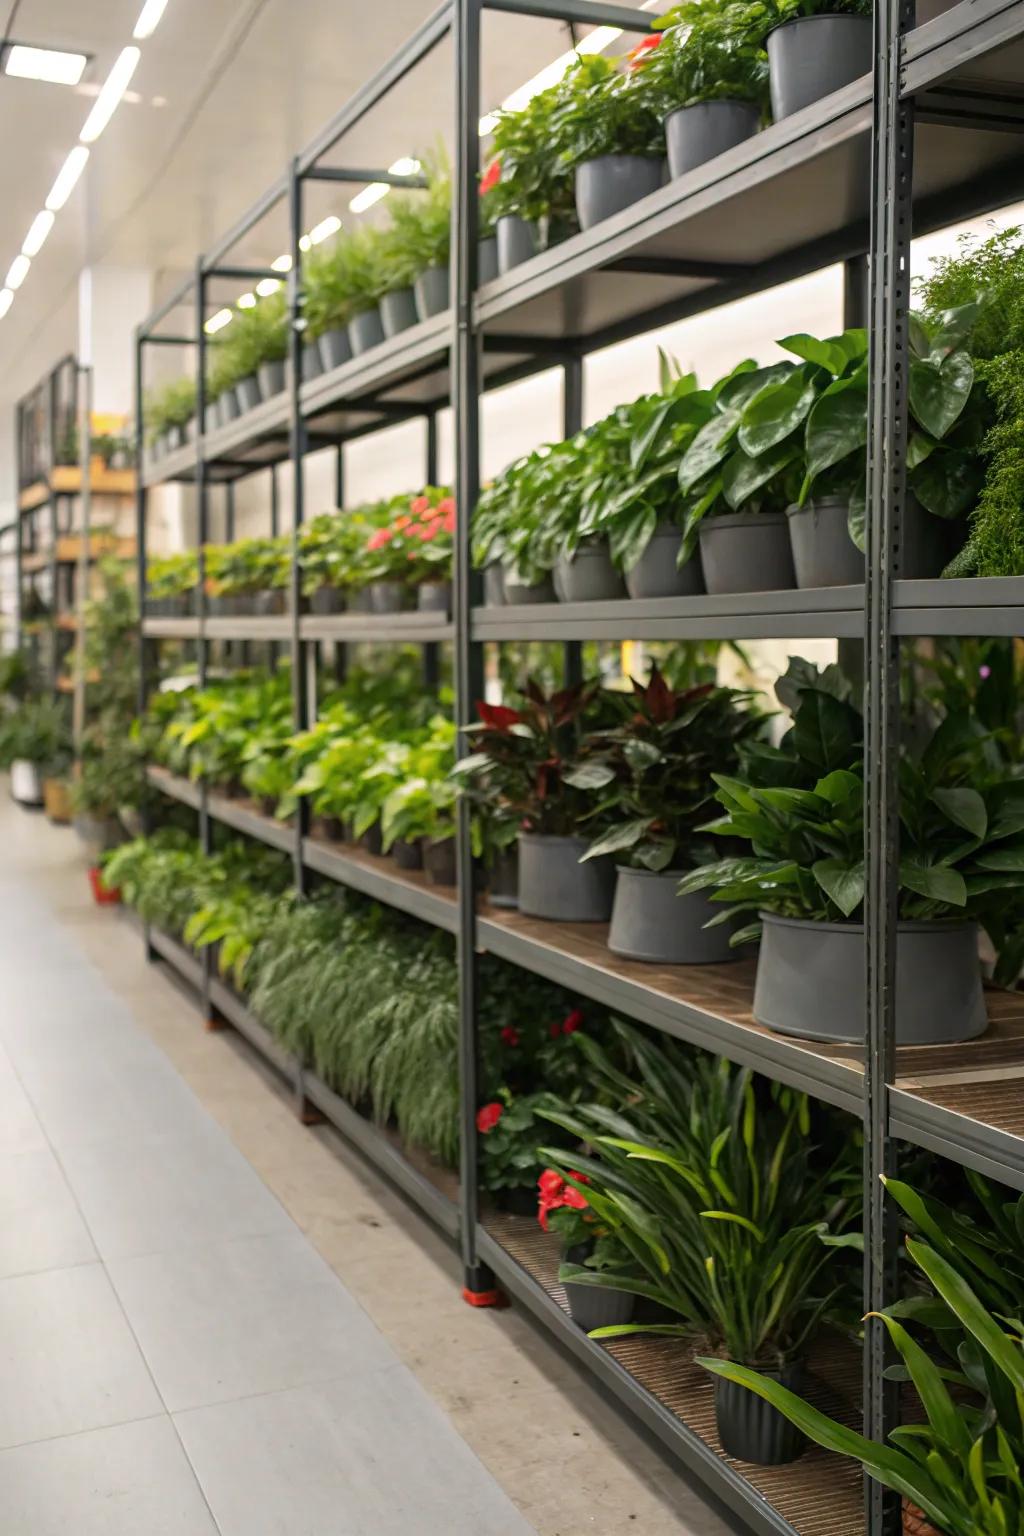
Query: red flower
x,y
550,1183
445,506
497,717
419,505
491,176
575,1199
638,56
488,1117
448,522
555,1031
402,522
573,1022
509,1036
380,538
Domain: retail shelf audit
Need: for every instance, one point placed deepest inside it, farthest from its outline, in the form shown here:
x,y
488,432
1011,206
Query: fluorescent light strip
x,y
282,264
328,226
404,166
17,272
109,97
38,231
49,64
217,322
6,300
67,178
246,301
149,19
268,286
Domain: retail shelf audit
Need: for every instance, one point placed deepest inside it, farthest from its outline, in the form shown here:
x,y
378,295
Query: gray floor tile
x,y
153,1195
329,1461
90,1096
41,1226
245,1317
69,1359
131,1480
20,1130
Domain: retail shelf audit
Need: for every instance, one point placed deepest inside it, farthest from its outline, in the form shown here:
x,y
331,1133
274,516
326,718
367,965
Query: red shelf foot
x,y
493,1298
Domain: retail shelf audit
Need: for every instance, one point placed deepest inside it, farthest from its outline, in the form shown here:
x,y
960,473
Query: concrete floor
x,y
178,1360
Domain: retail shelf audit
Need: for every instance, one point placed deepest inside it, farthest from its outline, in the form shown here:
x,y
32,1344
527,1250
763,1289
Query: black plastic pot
x,y
432,290
398,311
588,576
365,331
521,1201
592,1306
360,601
439,860
657,574
651,922
810,981
494,584
607,185
517,241
247,393
386,596
372,840
752,1430
312,363
518,593
553,884
747,552
327,600
271,377
812,56
824,555
334,828
334,348
407,855
487,260
705,130
927,543
503,881
434,597
269,603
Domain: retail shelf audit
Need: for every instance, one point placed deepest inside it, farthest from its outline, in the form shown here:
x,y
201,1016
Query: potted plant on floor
x,y
33,735
659,760
535,760
527,186
801,806
606,128
708,75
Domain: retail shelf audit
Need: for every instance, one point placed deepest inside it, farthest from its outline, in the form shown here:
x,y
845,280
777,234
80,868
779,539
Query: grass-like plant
x,y
169,405
342,278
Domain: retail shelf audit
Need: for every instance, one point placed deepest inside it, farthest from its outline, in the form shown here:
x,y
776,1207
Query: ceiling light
x,y
67,178
149,19
38,231
594,42
268,286
6,300
406,166
48,64
368,196
282,264
107,101
246,300
328,226
304,242
217,322
17,272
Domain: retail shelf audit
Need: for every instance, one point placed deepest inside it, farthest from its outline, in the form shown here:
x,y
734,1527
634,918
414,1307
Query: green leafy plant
x,y
342,278
170,405
37,731
527,177
601,110
419,235
707,51
172,575
258,334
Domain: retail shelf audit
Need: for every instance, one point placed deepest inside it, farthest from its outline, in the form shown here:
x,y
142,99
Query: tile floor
x,y
214,1320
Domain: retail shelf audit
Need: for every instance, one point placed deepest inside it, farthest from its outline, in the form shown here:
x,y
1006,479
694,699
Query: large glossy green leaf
x,y
939,391
708,448
964,807
934,881
778,410
626,835
743,476
1005,1352
948,482
842,882
1009,858
840,788
838,424
746,380
824,731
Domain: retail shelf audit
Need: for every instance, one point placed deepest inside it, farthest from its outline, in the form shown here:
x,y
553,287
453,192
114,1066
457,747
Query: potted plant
x,y
534,760
419,813
814,47
606,128
957,1472
257,343
342,283
510,1128
166,414
658,762
709,77
527,186
171,582
421,228
801,806
564,1208
411,550
32,736
517,531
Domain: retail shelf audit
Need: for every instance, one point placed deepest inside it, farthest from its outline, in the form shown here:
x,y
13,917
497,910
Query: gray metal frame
x,y
509,330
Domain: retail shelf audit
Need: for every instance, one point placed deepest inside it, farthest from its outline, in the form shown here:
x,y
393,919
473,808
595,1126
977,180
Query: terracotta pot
x,y
916,1523
57,801
100,893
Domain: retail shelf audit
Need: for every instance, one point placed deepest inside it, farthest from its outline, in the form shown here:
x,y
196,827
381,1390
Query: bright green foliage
x,y
737,1217
601,110
342,278
707,52
419,234
37,731
169,405
248,565
531,180
172,575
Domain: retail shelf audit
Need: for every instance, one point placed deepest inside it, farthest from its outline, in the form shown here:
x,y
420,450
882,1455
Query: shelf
x,y
243,816
276,626
66,480
173,785
178,957
35,495
969,51
745,615
382,628
234,1008
984,605
171,629
379,878
657,1380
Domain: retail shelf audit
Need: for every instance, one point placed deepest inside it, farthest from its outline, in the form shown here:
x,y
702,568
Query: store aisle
x,y
176,1359
215,1319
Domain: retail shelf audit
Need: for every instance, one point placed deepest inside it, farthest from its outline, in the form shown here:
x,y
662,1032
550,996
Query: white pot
x,y
26,782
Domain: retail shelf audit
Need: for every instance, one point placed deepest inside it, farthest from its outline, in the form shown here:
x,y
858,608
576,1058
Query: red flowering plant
x,y
563,1207
415,544
510,1129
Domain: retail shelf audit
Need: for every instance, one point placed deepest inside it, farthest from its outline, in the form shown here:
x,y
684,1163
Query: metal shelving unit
x,y
932,138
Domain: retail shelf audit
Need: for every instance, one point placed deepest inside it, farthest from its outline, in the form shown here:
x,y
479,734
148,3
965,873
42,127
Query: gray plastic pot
x,y
190,430
747,552
503,881
494,584
327,600
271,376
519,593
650,922
605,186
699,133
927,543
439,860
591,1306
312,363
398,311
360,601
434,597
365,331
432,292
227,406
810,981
588,576
174,437
386,596
824,555
487,261
517,241
247,393
752,1430
553,884
656,573
812,56
407,855
334,348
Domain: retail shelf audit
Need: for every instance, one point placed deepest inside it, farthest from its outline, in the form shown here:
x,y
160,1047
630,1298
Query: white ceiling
x,y
226,91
